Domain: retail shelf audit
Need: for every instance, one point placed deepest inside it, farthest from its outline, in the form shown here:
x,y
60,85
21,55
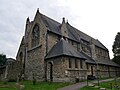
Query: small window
x,y
83,48
81,64
87,66
76,63
70,63
78,47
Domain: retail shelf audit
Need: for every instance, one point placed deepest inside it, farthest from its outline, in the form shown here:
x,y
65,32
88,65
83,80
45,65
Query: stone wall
x,y
106,71
52,39
89,71
21,56
33,57
34,64
61,71
2,73
59,68
13,71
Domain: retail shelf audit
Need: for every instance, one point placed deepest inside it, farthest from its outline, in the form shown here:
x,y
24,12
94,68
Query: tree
x,y
3,59
116,48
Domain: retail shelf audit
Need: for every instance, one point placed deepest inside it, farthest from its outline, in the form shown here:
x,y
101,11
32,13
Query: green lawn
x,y
106,85
30,86
88,88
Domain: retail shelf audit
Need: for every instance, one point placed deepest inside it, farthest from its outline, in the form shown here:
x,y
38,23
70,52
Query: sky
x,y
97,18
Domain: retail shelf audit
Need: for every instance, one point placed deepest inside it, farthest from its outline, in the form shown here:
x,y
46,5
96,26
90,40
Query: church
x,y
58,52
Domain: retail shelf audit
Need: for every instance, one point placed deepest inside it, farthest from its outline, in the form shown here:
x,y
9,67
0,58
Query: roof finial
x,y
37,9
28,19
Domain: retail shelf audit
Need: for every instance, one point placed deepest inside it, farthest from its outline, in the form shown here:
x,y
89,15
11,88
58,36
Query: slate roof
x,y
73,33
101,62
88,59
107,62
10,61
52,25
62,48
80,35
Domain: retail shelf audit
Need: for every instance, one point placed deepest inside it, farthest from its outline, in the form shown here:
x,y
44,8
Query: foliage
x,y
116,59
116,45
116,48
2,59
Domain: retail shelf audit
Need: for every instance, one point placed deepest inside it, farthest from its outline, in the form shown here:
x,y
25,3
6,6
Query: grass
x,y
108,85
44,86
29,85
7,86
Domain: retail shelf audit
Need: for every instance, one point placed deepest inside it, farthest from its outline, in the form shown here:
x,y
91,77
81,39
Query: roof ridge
x,y
50,18
73,33
80,31
83,35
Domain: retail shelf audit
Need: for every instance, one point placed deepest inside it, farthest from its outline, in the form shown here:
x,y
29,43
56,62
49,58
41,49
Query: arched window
x,y
35,36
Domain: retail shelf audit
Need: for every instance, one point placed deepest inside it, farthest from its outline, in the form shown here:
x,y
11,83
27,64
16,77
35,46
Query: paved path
x,y
77,86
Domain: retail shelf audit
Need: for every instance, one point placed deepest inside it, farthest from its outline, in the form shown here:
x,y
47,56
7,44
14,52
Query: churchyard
x,y
29,85
110,85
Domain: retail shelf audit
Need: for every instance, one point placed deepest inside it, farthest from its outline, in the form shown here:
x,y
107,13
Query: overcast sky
x,y
97,18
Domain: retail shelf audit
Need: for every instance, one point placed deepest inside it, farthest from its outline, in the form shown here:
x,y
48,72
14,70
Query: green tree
x,y
116,48
3,59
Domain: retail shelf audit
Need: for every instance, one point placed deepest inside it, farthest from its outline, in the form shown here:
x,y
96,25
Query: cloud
x,y
99,19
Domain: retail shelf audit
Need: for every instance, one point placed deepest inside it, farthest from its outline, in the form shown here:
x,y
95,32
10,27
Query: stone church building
x,y
53,51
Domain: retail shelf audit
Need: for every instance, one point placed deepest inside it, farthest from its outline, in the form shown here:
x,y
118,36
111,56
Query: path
x,y
77,86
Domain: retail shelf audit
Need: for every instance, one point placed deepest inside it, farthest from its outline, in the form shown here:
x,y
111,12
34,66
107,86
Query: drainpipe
x,y
46,54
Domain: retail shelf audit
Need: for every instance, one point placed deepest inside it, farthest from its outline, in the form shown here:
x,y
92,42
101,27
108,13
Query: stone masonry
x,y
41,36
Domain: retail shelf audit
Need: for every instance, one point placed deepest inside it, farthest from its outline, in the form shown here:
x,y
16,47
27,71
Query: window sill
x,y
76,69
33,48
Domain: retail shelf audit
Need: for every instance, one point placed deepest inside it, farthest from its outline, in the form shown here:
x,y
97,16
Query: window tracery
x,y
35,36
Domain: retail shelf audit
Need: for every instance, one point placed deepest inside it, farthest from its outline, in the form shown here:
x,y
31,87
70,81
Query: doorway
x,y
92,70
51,71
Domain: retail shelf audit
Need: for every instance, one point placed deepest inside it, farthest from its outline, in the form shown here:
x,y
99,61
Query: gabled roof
x,y
62,48
73,33
52,25
80,35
